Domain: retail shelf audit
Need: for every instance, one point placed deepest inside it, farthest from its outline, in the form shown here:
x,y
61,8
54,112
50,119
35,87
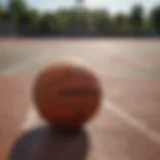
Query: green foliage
x,y
4,15
101,21
155,18
120,20
49,22
136,17
17,11
80,18
2,12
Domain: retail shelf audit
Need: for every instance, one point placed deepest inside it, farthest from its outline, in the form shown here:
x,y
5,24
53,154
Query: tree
x,y
101,21
62,19
30,19
2,12
78,18
155,18
73,19
82,19
136,17
49,23
17,9
120,21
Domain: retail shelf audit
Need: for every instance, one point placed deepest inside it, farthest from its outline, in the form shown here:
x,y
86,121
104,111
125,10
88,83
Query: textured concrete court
x,y
127,126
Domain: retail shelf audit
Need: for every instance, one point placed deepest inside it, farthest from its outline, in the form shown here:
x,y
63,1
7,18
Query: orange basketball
x,y
67,95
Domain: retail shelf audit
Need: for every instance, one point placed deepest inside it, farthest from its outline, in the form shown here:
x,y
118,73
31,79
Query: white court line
x,y
151,134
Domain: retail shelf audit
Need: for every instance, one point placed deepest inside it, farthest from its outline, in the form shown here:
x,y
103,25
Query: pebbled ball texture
x,y
67,95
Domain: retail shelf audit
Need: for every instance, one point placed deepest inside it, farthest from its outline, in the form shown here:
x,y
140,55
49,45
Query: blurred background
x,y
128,126
79,18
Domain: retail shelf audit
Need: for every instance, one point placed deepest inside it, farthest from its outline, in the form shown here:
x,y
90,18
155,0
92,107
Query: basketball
x,y
67,95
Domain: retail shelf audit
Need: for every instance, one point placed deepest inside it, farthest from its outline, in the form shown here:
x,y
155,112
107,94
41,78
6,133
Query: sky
x,y
112,5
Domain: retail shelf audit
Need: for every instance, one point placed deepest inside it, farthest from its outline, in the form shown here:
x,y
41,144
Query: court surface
x,y
127,126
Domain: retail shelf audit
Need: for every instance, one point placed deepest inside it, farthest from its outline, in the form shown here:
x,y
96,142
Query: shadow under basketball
x,y
46,143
